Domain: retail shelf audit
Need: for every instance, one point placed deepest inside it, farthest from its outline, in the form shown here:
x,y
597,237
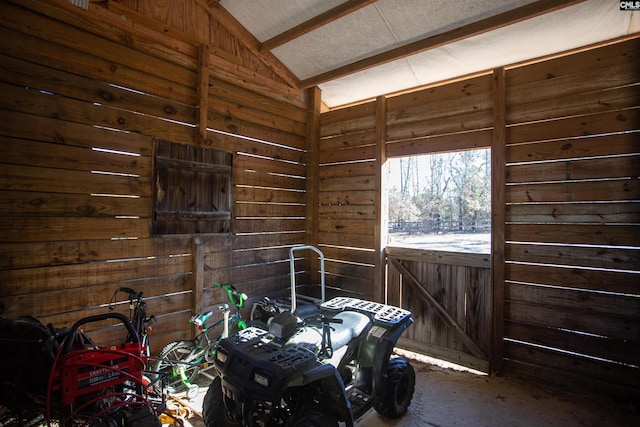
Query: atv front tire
x,y
395,398
214,413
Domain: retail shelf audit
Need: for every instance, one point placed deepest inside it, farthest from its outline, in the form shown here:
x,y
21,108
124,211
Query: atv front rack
x,y
382,314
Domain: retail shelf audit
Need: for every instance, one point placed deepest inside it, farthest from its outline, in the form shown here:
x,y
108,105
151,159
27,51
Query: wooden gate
x,y
450,297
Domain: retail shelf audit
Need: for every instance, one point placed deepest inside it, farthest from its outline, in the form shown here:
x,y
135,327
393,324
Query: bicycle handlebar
x,y
236,297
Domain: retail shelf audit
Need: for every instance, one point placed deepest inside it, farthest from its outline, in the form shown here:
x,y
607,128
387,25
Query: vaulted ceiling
x,y
358,49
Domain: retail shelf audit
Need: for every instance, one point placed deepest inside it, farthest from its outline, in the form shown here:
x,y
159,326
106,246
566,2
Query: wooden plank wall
x,y
347,214
569,302
84,96
572,302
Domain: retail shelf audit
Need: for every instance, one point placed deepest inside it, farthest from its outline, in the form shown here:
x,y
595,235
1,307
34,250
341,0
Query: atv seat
x,y
353,324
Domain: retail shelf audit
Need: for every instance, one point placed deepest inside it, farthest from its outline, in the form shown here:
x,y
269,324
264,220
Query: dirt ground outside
x,y
448,397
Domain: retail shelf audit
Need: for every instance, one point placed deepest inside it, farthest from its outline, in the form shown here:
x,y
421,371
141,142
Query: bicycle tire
x,y
166,365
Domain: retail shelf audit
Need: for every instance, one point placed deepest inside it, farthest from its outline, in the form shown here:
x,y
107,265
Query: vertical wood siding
x,y
85,95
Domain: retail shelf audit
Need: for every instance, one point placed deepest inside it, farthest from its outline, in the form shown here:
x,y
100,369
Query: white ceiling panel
x,y
268,18
388,24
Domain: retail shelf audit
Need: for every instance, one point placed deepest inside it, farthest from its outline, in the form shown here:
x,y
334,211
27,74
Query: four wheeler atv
x,y
328,368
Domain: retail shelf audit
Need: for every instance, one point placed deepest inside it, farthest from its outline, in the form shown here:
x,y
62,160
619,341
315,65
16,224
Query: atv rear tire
x,y
395,398
214,413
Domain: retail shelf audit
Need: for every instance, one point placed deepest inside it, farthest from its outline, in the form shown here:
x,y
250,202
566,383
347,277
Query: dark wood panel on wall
x,y
85,95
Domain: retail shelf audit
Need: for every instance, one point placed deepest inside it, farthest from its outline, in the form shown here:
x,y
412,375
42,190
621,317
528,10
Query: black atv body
x,y
330,368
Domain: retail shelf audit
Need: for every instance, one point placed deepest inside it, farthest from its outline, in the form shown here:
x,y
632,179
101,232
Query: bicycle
x,y
182,361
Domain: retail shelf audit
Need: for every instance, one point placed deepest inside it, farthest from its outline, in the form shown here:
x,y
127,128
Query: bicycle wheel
x,y
178,361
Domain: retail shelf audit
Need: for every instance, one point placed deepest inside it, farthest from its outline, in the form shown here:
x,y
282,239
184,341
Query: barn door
x,y
449,295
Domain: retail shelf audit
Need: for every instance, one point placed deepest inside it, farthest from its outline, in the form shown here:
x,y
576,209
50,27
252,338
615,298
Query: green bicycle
x,y
182,361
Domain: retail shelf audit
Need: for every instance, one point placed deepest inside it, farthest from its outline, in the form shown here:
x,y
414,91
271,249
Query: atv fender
x,y
383,353
328,379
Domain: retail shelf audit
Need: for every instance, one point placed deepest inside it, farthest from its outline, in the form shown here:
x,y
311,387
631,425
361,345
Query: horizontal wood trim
x,y
86,42
587,302
347,198
363,241
590,146
45,52
347,169
28,126
265,210
90,113
268,225
605,235
614,190
575,127
78,276
348,254
247,273
460,123
240,95
44,154
347,155
434,94
34,229
350,226
349,113
351,140
63,83
571,277
459,104
268,180
595,213
27,178
612,167
268,195
365,212
265,86
76,205
608,55
582,373
353,183
440,143
252,241
273,166
576,319
600,347
439,257
565,104
593,257
33,254
248,115
241,128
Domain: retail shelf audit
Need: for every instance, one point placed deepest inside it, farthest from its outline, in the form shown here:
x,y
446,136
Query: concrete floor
x,y
447,397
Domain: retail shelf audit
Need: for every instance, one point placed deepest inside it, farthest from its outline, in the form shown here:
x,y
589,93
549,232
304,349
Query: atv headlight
x,y
221,356
261,379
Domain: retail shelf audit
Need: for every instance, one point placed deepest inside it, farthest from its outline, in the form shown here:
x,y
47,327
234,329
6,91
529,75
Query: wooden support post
x,y
498,187
439,310
203,95
312,214
197,285
381,201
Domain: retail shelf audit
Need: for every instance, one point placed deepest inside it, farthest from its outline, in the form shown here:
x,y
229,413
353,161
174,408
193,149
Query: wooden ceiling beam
x,y
501,20
315,23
